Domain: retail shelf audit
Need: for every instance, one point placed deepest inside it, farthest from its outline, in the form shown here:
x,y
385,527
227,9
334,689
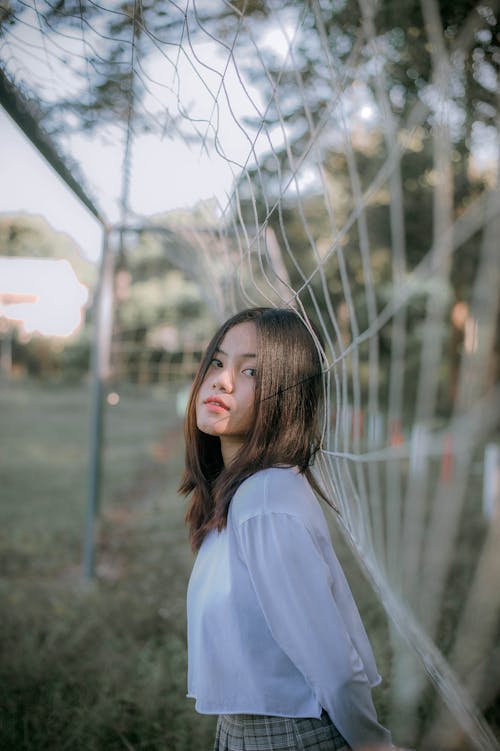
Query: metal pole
x,y
21,111
101,345
6,334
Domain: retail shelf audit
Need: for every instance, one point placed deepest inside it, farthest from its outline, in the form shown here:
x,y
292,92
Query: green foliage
x,y
30,236
109,92
162,298
162,311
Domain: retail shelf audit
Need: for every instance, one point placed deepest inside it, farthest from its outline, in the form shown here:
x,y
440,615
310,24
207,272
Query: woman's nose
x,y
224,379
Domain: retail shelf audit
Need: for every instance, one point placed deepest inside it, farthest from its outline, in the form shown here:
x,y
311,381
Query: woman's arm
x,y
293,585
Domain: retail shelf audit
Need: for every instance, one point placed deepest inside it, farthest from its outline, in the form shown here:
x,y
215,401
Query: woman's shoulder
x,y
274,490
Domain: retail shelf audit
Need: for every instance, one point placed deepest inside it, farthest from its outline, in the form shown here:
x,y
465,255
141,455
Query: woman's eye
x,y
216,363
250,371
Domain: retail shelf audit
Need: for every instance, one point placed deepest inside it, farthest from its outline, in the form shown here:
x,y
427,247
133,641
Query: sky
x,y
166,173
28,184
195,155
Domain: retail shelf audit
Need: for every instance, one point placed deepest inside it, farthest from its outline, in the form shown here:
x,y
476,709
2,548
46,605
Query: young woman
x,y
275,642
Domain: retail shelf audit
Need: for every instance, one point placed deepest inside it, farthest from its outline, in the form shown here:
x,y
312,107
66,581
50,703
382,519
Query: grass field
x,y
100,666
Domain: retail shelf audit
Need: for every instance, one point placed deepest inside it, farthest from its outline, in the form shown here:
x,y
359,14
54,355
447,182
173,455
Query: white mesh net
x,y
353,154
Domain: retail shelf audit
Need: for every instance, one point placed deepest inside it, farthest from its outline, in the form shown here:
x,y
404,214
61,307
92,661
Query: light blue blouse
x,y
272,625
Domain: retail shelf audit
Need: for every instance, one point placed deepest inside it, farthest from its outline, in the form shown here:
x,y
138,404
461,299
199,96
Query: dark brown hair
x,y
285,428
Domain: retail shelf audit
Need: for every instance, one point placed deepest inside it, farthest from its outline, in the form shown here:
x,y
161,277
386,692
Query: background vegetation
x,y
102,665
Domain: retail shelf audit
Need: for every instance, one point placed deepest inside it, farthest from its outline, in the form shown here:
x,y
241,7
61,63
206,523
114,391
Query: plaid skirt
x,y
247,732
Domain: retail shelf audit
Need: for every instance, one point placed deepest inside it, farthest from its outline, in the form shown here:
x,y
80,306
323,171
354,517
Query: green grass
x,y
100,666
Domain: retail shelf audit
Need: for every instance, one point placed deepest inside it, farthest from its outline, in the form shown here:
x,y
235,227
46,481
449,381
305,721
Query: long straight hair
x,y
285,427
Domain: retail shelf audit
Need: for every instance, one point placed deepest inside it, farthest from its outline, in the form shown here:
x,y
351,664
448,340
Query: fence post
x,y
100,367
491,480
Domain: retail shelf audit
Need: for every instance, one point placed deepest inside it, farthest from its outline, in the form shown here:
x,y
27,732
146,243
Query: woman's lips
x,y
214,403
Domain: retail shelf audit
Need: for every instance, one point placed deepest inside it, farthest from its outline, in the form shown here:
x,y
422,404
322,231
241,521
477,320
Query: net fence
x,y
352,157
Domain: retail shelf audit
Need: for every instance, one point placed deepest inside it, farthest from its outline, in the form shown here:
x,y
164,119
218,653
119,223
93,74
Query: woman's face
x,y
226,399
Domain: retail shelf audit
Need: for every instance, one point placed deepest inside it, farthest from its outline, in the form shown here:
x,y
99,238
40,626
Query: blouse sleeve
x,y
293,585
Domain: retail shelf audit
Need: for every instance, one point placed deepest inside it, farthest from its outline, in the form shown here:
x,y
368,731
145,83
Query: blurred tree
x,y
381,57
31,236
161,312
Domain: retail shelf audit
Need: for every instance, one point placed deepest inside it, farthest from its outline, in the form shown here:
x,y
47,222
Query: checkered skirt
x,y
246,732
